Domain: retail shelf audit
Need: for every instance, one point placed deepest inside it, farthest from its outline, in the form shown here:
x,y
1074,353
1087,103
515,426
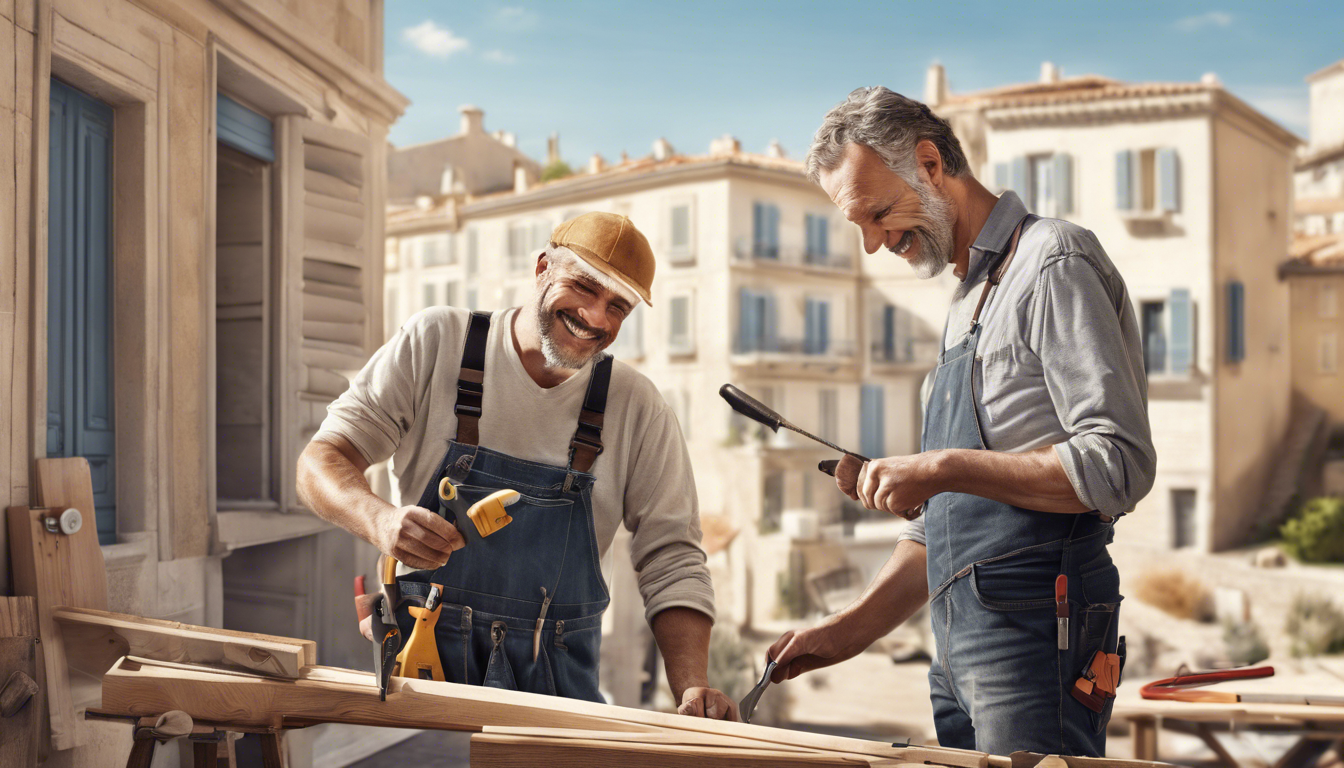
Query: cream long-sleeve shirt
x,y
401,405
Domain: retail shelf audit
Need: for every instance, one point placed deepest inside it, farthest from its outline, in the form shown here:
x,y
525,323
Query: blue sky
x,y
613,76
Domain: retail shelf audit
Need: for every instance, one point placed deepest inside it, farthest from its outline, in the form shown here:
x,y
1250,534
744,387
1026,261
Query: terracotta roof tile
x,y
1073,89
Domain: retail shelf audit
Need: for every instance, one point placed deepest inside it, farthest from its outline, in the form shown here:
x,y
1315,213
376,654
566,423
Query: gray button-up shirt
x,y
1060,359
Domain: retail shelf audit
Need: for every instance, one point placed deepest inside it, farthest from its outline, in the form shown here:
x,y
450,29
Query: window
x,y
1044,182
756,318
828,419
435,251
816,324
1168,334
680,340
1329,301
519,240
1236,322
450,293
629,343
1147,180
431,293
872,422
1328,353
1182,518
772,502
765,231
473,259
893,340
818,238
679,232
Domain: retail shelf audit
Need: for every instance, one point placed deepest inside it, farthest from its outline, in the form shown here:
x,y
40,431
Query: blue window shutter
x,y
1124,180
873,422
757,229
1063,172
79,300
1000,177
823,327
1182,332
810,327
746,307
244,130
772,230
889,333
1169,179
1236,322
1018,180
823,236
770,323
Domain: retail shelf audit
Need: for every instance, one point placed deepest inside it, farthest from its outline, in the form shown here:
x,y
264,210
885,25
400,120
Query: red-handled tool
x,y
1062,610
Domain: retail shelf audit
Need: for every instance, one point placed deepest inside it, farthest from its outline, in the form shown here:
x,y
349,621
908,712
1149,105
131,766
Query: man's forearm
x,y
892,597
331,483
682,635
1031,480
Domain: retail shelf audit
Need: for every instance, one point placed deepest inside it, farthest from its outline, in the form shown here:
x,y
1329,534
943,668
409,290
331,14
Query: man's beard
x,y
936,237
557,355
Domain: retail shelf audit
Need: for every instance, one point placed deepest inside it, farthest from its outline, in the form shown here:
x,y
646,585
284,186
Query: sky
x,y
615,76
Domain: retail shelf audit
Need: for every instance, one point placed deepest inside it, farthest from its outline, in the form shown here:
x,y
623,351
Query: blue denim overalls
x,y
1000,683
522,609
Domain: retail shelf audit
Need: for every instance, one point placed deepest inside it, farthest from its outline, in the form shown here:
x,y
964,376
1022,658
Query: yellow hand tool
x,y
488,514
420,657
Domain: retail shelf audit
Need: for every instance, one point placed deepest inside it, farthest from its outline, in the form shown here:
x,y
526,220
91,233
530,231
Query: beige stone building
x,y
196,190
1188,188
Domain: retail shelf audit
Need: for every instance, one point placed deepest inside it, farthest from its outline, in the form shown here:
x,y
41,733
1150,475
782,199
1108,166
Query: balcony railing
x,y
746,251
800,347
905,352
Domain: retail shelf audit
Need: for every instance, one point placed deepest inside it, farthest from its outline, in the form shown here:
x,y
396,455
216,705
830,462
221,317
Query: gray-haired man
x,y
1035,440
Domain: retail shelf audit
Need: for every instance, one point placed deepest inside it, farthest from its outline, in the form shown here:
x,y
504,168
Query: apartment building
x,y
1188,189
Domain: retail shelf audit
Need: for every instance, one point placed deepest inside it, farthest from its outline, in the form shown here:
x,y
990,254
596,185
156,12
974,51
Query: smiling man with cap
x,y
525,399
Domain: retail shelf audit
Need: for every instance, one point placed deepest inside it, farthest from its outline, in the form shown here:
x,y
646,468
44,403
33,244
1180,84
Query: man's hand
x,y
899,484
708,702
417,537
821,646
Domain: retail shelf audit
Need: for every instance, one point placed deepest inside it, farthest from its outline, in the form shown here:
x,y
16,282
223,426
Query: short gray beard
x,y
556,356
936,239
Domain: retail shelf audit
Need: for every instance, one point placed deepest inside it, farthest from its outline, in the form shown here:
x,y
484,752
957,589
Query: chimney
x,y
776,150
625,157
726,144
448,180
1049,72
553,149
662,149
935,85
596,164
519,178
424,202
473,119
505,138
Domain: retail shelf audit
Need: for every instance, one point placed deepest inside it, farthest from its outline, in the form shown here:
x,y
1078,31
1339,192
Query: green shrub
x,y
1316,626
1316,534
556,170
1244,644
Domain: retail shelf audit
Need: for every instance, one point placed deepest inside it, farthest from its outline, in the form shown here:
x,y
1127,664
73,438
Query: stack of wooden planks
x,y
514,729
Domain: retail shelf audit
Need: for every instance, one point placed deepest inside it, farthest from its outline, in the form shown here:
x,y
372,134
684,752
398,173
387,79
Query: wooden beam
x,y
19,654
94,640
61,484
498,750
329,694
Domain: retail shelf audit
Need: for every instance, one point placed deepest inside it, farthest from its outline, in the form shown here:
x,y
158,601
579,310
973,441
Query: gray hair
x,y
889,124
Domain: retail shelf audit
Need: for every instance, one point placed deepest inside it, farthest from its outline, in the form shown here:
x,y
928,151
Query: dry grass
x,y
1177,593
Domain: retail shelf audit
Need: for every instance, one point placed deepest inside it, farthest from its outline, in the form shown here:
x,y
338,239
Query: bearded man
x,y
525,399
1035,440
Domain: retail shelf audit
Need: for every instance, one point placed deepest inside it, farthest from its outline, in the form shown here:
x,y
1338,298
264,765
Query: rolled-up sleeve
x,y
1087,337
662,513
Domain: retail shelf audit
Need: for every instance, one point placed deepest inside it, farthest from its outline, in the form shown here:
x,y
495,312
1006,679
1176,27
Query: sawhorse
x,y
212,743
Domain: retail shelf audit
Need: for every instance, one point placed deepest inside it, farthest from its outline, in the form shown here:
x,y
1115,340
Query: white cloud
x,y
1204,20
500,57
434,40
514,17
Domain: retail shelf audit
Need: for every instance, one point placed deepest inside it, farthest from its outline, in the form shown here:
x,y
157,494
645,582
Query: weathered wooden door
x,y
79,294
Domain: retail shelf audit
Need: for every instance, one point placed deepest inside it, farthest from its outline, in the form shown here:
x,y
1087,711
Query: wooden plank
x,y
650,736
329,694
490,750
309,647
63,483
96,639
43,569
19,653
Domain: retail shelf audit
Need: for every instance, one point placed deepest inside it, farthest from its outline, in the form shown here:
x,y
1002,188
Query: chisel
x,y
757,411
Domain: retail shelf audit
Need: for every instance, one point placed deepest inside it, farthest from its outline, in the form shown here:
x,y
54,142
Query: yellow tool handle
x,y
447,491
389,570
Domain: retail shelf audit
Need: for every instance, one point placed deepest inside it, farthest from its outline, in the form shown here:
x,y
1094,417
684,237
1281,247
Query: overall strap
x,y
586,444
470,380
997,274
